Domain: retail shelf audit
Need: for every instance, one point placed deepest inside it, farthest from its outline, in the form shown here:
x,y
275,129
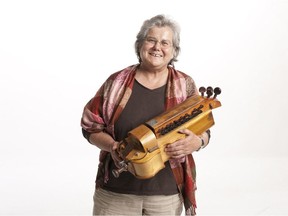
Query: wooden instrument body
x,y
143,149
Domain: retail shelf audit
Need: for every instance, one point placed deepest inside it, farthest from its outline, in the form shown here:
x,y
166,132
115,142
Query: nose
x,y
157,45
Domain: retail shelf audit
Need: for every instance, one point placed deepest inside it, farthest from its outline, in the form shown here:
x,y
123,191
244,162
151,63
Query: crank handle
x,y
123,167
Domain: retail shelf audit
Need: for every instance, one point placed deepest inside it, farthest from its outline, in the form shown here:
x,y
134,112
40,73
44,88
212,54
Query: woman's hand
x,y
185,146
114,154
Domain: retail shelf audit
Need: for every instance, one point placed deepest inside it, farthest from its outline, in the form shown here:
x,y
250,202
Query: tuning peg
x,y
202,90
217,91
209,91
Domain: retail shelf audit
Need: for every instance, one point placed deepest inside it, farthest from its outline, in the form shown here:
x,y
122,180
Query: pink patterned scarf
x,y
102,111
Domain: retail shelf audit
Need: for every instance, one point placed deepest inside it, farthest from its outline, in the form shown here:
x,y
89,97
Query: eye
x,y
165,43
151,40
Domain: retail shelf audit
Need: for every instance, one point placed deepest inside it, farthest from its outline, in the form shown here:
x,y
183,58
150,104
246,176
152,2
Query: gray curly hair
x,y
159,21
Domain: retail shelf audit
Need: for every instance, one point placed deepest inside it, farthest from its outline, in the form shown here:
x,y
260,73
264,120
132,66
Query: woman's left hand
x,y
185,146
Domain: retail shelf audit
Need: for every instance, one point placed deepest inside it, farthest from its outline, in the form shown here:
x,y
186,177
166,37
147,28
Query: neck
x,y
152,79
152,72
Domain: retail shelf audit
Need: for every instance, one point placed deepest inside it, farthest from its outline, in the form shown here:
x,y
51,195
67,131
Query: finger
x,y
184,131
172,147
176,155
115,145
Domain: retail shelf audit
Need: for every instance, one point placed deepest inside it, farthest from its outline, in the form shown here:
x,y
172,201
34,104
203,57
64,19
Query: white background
x,y
54,55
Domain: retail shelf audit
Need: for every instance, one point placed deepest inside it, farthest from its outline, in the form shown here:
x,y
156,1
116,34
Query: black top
x,y
143,105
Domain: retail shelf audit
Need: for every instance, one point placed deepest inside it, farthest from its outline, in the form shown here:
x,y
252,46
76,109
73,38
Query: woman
x,y
129,98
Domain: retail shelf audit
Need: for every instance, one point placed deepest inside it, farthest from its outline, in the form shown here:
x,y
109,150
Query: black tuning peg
x,y
209,91
217,91
202,90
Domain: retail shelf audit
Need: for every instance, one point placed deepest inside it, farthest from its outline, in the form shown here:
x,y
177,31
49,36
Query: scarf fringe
x,y
190,211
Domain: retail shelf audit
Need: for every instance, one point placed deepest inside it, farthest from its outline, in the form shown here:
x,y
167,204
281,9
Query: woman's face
x,y
157,49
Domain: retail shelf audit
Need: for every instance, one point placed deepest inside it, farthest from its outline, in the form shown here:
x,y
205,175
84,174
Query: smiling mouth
x,y
155,55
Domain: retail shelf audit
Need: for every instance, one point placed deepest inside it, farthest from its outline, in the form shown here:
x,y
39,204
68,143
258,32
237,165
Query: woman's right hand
x,y
115,155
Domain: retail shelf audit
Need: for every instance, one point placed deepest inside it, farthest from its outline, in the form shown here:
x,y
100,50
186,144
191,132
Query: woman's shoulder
x,y
186,80
123,72
182,75
116,79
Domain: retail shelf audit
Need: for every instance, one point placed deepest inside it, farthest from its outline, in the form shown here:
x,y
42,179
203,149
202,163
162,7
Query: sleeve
x,y
92,118
86,134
